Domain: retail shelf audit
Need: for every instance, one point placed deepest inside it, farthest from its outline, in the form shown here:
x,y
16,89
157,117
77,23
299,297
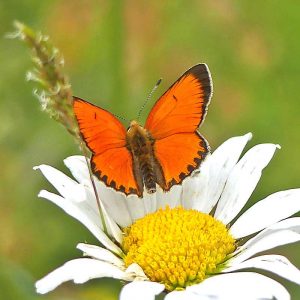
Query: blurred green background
x,y
115,51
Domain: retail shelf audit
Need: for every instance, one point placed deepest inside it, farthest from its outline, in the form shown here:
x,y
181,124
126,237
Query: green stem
x,y
83,149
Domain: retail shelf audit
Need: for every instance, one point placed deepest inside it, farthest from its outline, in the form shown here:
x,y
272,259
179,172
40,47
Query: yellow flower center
x,y
177,247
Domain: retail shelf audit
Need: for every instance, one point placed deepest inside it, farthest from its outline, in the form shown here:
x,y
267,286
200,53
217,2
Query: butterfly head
x,y
135,130
133,123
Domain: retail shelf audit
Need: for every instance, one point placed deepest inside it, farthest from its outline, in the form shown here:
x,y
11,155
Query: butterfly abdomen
x,y
147,171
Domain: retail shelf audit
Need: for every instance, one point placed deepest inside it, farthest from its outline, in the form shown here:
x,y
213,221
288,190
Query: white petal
x,y
78,167
236,286
112,227
66,186
101,254
137,271
266,212
281,233
242,181
171,198
185,295
91,202
114,202
149,202
277,264
136,207
83,214
123,209
79,270
194,188
214,173
82,197
138,290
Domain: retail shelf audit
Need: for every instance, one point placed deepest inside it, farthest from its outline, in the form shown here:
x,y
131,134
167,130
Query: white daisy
x,y
184,242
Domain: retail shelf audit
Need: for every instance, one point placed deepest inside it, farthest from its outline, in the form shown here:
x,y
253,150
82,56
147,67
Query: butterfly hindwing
x,y
179,155
114,167
105,136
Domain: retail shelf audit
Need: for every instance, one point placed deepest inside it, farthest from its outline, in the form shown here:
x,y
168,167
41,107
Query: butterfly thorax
x,y
146,169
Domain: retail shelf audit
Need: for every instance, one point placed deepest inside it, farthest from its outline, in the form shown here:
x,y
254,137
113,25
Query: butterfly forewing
x,y
183,106
100,129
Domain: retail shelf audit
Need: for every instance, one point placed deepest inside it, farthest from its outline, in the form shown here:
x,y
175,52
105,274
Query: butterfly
x,y
164,151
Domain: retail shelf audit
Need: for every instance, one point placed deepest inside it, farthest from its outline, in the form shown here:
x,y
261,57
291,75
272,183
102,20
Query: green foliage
x,y
15,283
114,54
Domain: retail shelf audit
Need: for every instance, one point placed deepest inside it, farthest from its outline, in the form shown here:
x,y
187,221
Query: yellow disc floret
x,y
177,247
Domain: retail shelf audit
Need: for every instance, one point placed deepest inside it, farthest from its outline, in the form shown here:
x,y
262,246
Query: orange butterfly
x,y
164,152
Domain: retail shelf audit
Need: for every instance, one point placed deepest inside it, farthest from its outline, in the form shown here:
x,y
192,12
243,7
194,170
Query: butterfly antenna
x,y
121,118
149,97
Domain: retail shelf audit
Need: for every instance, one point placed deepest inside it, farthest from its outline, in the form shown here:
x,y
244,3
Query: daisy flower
x,y
187,243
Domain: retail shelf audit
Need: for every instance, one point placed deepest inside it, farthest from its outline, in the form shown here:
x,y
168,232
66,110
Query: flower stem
x,y
83,148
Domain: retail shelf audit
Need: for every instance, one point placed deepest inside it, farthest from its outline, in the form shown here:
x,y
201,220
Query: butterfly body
x,y
163,152
146,168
